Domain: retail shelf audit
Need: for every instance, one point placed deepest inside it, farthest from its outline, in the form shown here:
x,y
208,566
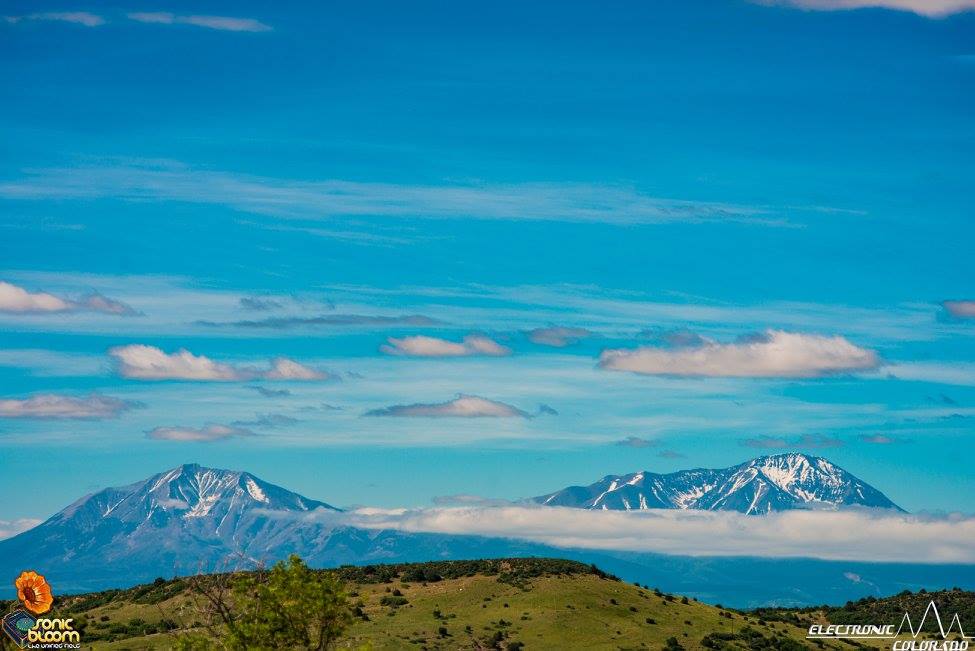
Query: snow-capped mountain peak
x,y
189,491
180,521
762,485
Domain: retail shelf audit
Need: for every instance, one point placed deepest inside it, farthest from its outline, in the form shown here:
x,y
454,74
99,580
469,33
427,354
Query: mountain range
x,y
763,485
191,518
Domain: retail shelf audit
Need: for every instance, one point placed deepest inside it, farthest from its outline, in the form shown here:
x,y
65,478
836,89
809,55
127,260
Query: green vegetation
x,y
506,604
887,610
290,607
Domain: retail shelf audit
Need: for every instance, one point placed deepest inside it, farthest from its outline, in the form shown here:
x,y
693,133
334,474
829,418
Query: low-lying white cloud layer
x,y
461,407
774,353
842,535
144,362
57,406
10,528
16,299
423,346
224,23
209,432
929,8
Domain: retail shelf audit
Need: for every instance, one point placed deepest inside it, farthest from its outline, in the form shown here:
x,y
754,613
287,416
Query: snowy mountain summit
x,y
176,522
763,485
220,498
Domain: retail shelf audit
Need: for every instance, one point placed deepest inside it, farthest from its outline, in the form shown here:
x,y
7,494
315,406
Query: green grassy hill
x,y
488,604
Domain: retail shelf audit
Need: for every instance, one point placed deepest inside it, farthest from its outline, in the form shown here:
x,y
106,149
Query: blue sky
x,y
706,230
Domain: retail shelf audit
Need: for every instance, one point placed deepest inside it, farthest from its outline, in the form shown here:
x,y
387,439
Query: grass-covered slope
x,y
520,603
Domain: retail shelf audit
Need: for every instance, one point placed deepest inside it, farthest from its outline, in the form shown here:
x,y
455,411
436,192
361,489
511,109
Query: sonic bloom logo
x,y
53,634
888,632
29,632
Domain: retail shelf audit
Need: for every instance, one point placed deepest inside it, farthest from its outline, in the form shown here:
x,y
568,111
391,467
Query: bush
x,y
673,644
289,607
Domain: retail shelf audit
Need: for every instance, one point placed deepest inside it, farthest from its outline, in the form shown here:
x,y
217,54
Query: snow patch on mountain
x,y
763,485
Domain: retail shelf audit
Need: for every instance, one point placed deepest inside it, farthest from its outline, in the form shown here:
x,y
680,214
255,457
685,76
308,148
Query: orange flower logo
x,y
33,590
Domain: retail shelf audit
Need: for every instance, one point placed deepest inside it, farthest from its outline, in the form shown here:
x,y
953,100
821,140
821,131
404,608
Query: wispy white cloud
x,y
336,320
209,432
461,407
558,336
423,346
76,17
143,362
268,421
881,439
283,368
259,303
960,309
59,406
805,442
16,299
98,303
957,373
671,454
842,535
10,528
271,393
774,353
929,8
637,442
311,200
224,23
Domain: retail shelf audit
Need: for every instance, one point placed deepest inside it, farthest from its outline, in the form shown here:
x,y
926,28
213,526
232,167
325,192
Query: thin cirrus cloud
x,y
325,199
271,393
142,362
18,300
423,346
805,441
928,8
881,439
209,432
463,406
671,454
267,421
960,309
223,23
54,406
77,17
636,442
557,336
334,320
772,354
259,303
